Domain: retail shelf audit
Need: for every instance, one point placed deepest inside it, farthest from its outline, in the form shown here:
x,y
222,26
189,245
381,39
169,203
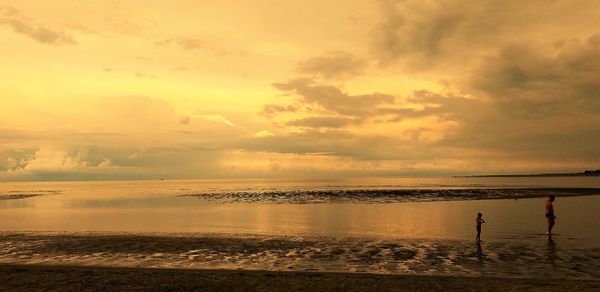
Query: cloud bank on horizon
x,y
271,89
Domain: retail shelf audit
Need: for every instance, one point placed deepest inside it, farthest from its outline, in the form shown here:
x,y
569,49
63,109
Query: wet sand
x,y
528,258
69,278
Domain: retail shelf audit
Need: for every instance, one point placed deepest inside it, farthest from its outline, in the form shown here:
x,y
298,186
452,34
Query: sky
x,y
108,89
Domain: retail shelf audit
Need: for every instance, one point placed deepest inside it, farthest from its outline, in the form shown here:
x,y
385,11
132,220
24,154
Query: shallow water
x,y
389,208
384,225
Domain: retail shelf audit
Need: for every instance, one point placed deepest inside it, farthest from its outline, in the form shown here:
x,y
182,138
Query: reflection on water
x,y
551,252
505,219
480,255
152,207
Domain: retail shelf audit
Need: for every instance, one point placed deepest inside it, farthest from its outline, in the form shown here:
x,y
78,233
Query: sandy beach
x,y
72,278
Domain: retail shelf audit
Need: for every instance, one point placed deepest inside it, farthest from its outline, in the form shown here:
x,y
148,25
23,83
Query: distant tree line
x,y
597,171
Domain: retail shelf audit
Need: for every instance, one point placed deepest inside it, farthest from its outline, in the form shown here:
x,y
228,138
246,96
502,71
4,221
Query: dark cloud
x,y
403,32
336,64
529,103
537,102
444,107
529,80
333,99
12,18
273,109
427,34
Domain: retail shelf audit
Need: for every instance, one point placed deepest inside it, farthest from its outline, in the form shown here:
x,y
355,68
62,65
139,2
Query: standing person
x,y
550,214
479,220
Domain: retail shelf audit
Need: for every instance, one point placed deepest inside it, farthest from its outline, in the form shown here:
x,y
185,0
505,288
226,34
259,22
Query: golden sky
x,y
112,89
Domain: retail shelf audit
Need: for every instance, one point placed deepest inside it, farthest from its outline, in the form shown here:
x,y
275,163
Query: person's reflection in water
x,y
480,255
551,252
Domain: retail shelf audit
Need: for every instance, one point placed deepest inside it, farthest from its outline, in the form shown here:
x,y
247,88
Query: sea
x,y
363,225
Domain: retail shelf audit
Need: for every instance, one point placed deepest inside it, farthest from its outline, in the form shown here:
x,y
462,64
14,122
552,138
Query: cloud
x,y
423,35
321,122
344,144
528,104
145,137
12,163
103,162
532,80
335,64
333,99
536,101
273,109
214,117
55,160
416,28
12,18
106,163
444,107
514,82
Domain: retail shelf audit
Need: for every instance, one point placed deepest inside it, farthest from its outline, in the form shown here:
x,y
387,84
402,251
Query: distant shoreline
x,y
595,173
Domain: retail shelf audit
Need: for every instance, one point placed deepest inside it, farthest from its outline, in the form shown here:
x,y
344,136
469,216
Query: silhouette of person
x,y
550,214
479,220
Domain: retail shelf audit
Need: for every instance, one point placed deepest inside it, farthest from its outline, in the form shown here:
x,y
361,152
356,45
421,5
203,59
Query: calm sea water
x,y
359,207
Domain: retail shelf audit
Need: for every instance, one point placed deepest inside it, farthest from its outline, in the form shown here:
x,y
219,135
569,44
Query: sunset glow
x,y
93,90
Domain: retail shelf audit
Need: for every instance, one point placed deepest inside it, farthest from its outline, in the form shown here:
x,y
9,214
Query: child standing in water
x,y
479,220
